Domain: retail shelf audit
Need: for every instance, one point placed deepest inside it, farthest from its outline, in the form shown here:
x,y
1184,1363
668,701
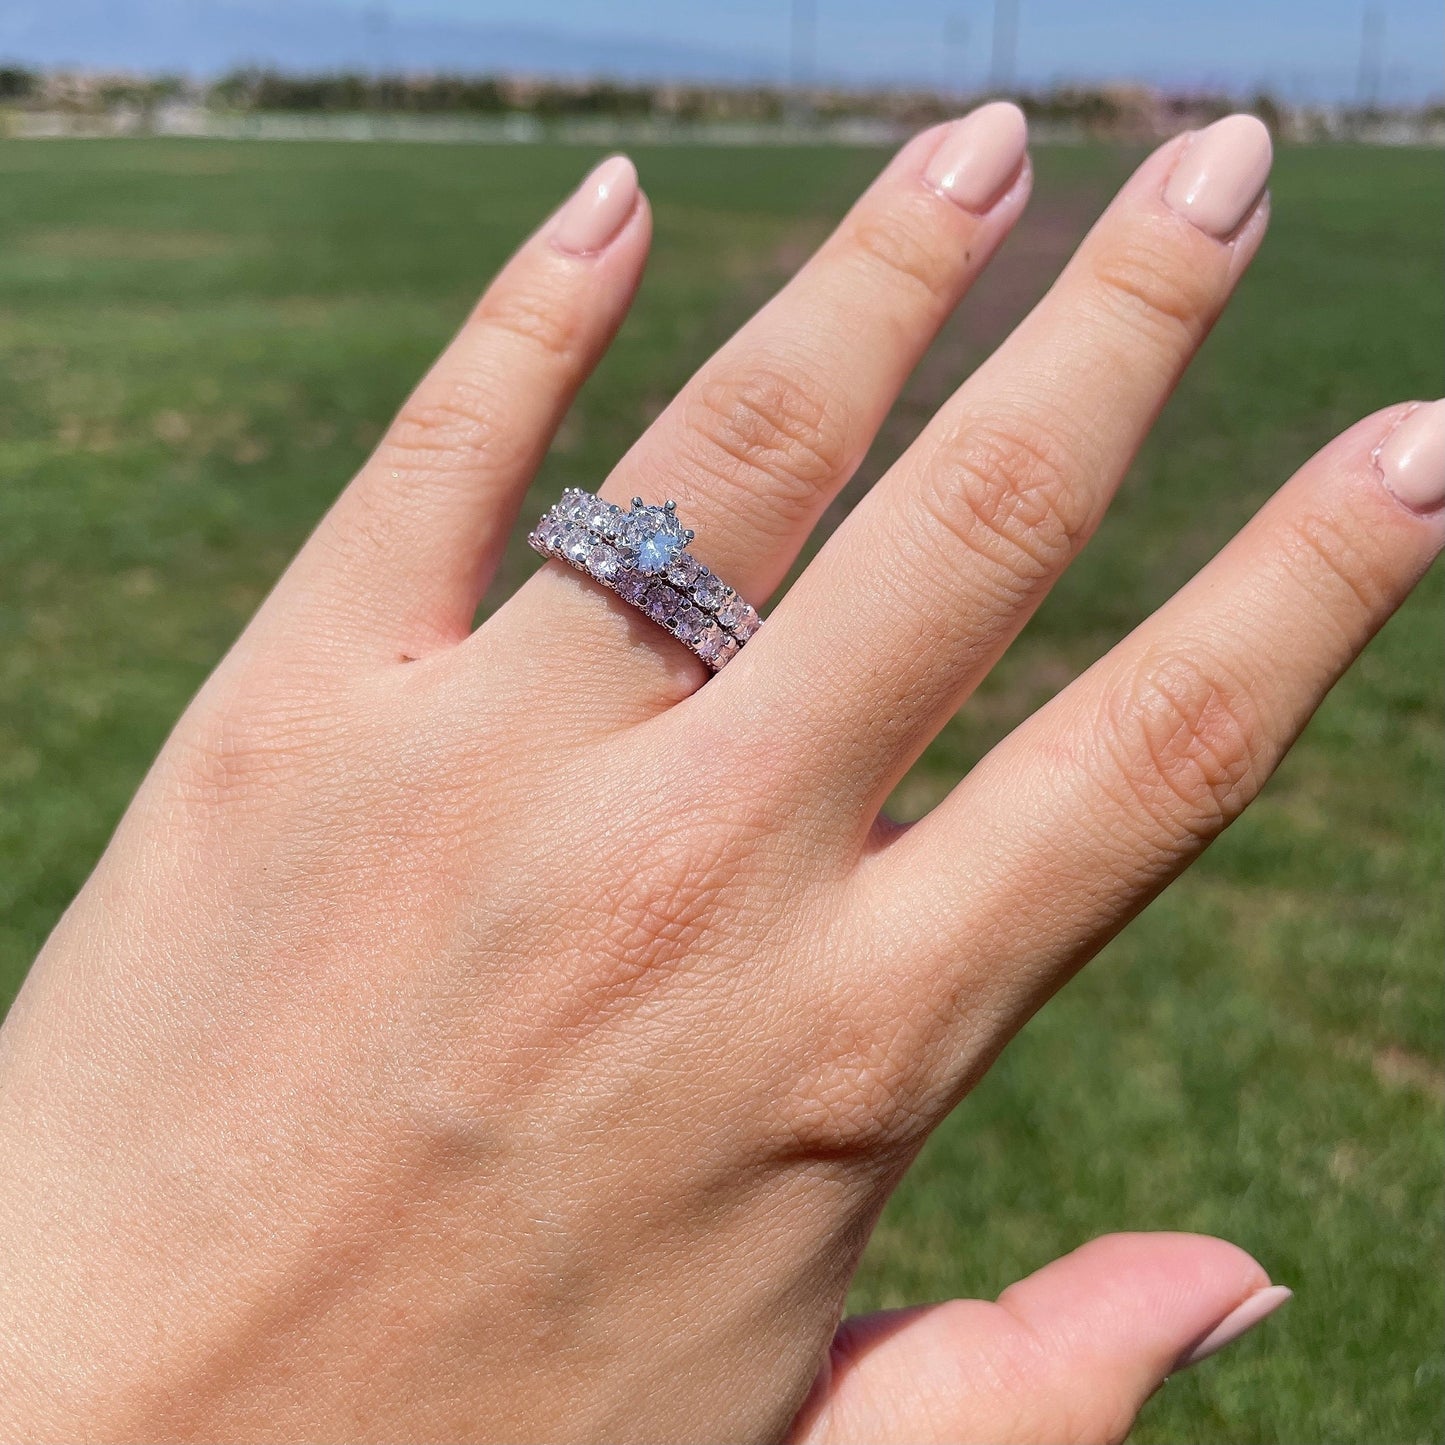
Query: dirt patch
x,y
1400,1069
1010,286
116,243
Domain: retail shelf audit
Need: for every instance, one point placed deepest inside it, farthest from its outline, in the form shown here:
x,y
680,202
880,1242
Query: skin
x,y
499,1034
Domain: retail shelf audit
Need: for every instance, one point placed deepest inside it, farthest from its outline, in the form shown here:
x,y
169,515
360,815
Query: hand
x,y
501,1034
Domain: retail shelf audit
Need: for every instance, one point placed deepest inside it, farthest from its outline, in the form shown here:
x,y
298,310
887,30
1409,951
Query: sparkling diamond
x,y
630,586
653,536
603,518
573,506
708,591
727,650
709,645
690,624
730,610
748,623
603,561
682,571
577,544
661,603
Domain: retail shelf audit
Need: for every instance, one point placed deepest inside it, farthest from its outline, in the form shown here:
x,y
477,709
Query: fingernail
x,y
979,157
1411,460
1221,175
596,210
1259,1306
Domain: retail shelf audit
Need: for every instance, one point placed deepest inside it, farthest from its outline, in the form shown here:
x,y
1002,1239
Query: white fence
x,y
1320,125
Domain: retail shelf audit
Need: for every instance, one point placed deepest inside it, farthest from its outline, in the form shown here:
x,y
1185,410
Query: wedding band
x,y
641,556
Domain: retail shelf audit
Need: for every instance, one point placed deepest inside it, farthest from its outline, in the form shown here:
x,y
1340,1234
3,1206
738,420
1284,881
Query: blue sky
x,y
1305,48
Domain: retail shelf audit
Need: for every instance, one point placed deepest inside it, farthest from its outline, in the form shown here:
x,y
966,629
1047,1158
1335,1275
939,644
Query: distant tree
x,y
17,83
1267,108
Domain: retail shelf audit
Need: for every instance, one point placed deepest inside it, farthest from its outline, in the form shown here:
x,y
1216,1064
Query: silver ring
x,y
641,556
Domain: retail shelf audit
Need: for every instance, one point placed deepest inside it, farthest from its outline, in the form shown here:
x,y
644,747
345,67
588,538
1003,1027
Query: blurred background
x,y
233,234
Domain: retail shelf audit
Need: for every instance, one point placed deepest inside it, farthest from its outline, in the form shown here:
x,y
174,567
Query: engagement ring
x,y
640,554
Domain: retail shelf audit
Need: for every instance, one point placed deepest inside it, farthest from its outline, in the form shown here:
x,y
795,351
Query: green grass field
x,y
199,342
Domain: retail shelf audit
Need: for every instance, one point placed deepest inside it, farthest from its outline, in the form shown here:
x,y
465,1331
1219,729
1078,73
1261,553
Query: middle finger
x,y
937,570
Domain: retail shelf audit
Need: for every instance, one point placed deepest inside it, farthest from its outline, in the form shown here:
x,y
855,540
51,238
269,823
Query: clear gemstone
x,y
748,623
550,532
690,624
682,571
603,561
578,544
573,506
709,645
653,536
661,603
630,586
708,591
730,610
603,517
727,650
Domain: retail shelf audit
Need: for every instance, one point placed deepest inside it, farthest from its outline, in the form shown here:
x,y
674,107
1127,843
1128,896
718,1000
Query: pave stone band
x,y
640,555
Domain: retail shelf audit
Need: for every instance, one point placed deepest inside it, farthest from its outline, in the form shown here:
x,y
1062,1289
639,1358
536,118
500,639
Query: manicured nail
x,y
1259,1306
1221,175
596,210
1412,458
979,157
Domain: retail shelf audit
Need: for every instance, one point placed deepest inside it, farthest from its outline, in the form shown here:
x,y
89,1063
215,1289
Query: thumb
x,y
1070,1353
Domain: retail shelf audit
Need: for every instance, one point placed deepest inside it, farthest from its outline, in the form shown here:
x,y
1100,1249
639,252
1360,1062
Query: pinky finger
x,y
1112,789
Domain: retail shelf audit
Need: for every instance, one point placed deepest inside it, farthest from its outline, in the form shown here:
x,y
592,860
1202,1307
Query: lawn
x,y
199,342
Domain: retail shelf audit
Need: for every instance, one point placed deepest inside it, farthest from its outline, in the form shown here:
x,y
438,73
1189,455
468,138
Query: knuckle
x,y
1008,495
1190,742
1146,281
656,916
663,914
457,421
847,1114
768,420
859,1095
455,417
1325,557
537,318
906,244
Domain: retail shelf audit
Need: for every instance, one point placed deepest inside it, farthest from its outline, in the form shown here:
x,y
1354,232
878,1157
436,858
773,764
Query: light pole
x,y
378,23
802,55
1005,43
1372,57
955,53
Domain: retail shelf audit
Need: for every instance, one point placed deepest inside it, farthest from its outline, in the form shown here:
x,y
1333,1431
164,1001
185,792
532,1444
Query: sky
x,y
1302,47
1303,50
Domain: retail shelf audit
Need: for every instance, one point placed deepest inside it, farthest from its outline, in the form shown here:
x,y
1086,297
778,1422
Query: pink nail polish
x,y
979,156
1221,175
597,208
1239,1321
1411,460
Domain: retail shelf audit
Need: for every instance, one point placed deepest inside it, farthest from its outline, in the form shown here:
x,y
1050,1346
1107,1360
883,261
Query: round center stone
x,y
655,537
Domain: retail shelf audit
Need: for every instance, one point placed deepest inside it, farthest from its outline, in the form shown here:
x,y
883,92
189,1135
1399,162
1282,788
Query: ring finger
x,y
765,434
